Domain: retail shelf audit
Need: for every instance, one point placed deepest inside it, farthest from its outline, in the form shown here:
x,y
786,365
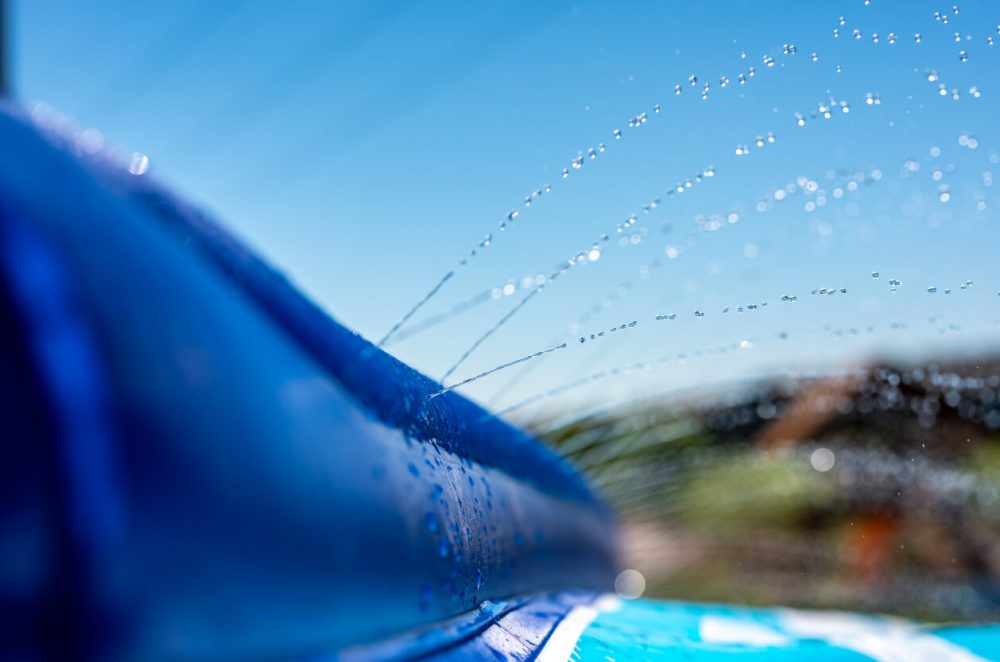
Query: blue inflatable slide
x,y
200,464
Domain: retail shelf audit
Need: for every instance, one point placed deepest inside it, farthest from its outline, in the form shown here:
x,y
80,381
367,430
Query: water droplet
x,y
822,459
630,584
90,141
432,523
138,164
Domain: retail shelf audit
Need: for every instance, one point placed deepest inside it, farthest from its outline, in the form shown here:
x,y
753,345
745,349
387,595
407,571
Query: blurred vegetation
x,y
877,489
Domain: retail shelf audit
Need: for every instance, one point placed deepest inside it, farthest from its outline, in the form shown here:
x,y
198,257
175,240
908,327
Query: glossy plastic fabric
x,y
655,631
199,463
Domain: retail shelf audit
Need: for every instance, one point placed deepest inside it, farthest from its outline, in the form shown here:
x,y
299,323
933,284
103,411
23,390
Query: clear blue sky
x,y
364,147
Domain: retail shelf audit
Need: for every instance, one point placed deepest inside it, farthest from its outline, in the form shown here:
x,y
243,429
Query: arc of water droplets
x,y
581,257
891,38
624,369
576,164
932,77
439,318
825,109
420,304
601,334
582,319
493,294
636,121
502,366
659,362
503,320
509,288
708,172
759,142
941,17
484,243
798,185
583,339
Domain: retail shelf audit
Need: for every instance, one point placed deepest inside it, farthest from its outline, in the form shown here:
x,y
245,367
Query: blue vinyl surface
x,y
201,464
610,629
198,463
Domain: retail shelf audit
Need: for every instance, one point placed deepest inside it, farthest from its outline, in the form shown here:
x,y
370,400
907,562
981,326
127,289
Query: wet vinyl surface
x,y
611,630
733,261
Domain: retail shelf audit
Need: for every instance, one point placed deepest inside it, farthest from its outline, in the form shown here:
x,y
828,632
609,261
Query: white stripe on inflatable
x,y
880,638
884,640
563,639
720,630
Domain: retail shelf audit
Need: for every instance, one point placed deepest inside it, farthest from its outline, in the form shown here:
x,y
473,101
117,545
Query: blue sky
x,y
365,147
